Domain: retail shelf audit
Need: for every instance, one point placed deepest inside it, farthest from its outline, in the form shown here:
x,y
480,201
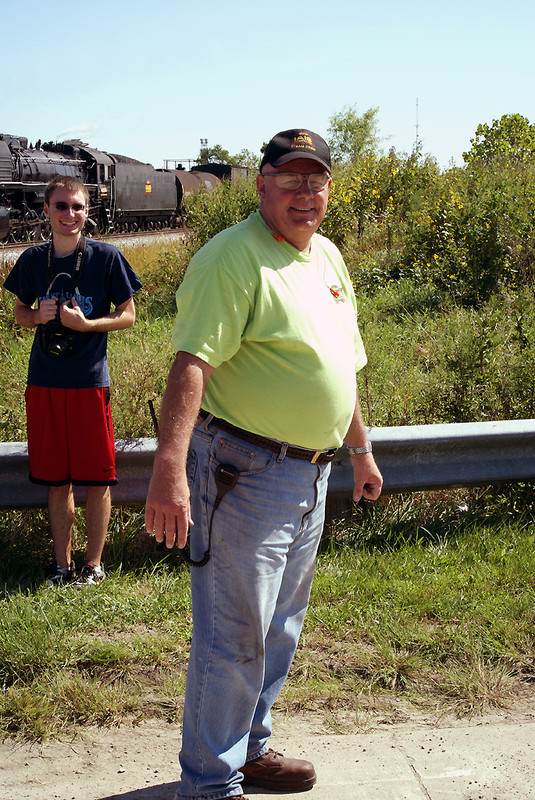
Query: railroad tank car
x,y
125,194
220,171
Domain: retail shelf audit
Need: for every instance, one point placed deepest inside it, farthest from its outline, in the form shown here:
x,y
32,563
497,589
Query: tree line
x,y
460,233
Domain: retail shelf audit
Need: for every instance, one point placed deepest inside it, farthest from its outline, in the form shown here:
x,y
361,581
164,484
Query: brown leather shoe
x,y
275,771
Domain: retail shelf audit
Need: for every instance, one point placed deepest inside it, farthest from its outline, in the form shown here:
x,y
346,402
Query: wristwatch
x,y
357,451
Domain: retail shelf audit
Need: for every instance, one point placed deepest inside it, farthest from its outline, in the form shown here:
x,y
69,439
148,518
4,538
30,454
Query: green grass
x,y
425,604
71,658
441,617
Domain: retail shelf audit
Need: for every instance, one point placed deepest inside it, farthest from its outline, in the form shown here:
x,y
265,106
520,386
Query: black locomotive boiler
x,y
125,194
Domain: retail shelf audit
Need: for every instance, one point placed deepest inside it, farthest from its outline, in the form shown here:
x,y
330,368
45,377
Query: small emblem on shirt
x,y
337,293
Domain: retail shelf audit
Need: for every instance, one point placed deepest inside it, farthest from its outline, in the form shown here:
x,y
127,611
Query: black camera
x,y
56,340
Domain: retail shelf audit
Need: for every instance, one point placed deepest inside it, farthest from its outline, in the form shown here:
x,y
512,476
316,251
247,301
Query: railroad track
x,y
175,233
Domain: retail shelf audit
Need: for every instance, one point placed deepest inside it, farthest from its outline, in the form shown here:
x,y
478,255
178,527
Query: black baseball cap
x,y
296,143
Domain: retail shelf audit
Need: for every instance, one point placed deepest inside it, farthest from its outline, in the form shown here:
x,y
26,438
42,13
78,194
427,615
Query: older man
x,y
262,392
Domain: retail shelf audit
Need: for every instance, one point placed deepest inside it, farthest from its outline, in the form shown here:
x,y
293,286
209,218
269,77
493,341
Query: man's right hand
x,y
47,310
167,510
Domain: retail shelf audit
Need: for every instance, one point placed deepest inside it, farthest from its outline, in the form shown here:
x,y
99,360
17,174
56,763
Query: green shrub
x,y
208,213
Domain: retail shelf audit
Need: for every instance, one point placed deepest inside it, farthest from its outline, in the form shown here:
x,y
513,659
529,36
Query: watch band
x,y
356,451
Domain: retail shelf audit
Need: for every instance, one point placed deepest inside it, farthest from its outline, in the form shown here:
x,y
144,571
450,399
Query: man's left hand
x,y
72,316
367,477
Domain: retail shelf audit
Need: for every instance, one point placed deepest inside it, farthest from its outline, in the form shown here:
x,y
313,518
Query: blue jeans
x,y
248,602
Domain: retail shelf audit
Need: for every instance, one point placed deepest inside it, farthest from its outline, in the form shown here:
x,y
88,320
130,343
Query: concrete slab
x,y
482,760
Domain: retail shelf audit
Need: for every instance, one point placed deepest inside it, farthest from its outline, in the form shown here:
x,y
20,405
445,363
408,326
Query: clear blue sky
x,y
150,79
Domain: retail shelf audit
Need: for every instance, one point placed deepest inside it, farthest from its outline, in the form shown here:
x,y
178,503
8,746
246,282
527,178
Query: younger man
x,y
70,431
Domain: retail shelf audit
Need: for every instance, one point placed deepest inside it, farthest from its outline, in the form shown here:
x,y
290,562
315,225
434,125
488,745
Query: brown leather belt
x,y
314,456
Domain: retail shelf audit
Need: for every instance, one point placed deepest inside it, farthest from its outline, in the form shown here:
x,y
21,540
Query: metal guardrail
x,y
410,458
418,457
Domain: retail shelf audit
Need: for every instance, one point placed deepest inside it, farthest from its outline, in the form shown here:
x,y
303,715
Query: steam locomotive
x,y
125,194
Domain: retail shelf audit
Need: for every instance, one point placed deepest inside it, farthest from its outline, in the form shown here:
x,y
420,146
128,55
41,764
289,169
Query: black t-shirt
x,y
107,278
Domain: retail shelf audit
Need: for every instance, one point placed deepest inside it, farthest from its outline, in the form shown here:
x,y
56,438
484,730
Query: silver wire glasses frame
x,y
294,180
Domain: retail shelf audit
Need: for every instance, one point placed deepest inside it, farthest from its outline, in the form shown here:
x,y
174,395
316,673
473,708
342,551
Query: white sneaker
x,y
90,575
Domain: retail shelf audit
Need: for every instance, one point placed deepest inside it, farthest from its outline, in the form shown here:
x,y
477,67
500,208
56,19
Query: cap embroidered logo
x,y
302,139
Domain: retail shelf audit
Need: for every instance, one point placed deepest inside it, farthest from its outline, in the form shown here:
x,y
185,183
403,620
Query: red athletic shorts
x,y
70,436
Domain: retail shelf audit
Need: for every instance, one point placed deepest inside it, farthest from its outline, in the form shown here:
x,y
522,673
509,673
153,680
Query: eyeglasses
x,y
292,181
61,206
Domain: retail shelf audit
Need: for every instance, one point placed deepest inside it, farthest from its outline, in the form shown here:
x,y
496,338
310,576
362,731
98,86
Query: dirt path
x,y
141,763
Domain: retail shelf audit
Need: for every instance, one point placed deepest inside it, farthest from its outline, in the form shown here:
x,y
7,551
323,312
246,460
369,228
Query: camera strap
x,y
226,477
79,255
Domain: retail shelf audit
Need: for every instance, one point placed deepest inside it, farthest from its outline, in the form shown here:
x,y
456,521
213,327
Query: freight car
x,y
125,194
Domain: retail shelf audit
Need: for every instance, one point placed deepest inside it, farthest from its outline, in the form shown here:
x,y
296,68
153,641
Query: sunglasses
x,y
61,206
294,180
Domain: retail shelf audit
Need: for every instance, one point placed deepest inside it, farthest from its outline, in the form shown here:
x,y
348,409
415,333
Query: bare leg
x,y
61,518
97,517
